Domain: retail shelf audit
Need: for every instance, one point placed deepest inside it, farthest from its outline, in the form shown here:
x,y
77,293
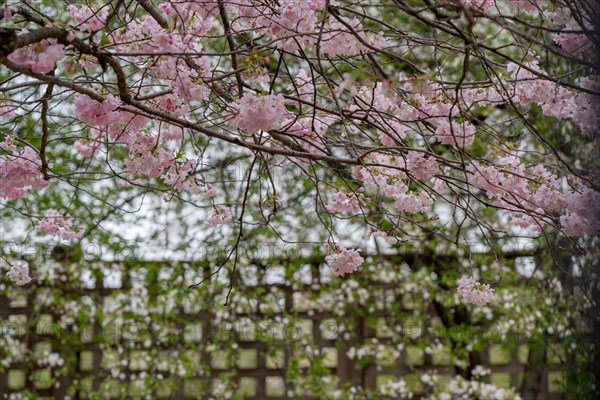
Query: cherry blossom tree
x,y
340,125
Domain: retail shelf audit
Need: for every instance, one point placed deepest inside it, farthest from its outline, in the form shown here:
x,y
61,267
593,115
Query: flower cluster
x,y
460,388
147,36
109,116
396,389
51,360
455,134
89,148
346,36
60,225
570,40
289,25
427,103
343,261
146,155
95,113
392,181
583,213
221,216
555,100
347,201
39,57
474,292
512,183
19,273
255,113
420,166
529,6
376,351
87,19
147,158
19,171
291,18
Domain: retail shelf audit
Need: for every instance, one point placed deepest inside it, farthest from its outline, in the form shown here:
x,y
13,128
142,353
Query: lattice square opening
x,y
275,386
276,359
248,386
330,359
501,379
499,355
556,382
16,379
247,359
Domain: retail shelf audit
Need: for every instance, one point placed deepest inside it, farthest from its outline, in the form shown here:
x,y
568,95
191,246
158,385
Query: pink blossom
x,y
7,108
526,5
392,139
343,261
412,202
577,225
528,87
19,171
583,212
171,132
455,134
291,18
570,41
146,157
89,148
587,112
420,166
94,113
474,292
585,201
319,4
88,19
221,216
478,4
537,189
259,113
179,176
173,104
555,100
189,11
7,13
524,220
210,193
19,273
347,201
391,182
338,40
57,224
147,36
39,57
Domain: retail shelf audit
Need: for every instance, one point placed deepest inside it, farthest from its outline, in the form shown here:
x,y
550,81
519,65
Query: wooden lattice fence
x,y
138,331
